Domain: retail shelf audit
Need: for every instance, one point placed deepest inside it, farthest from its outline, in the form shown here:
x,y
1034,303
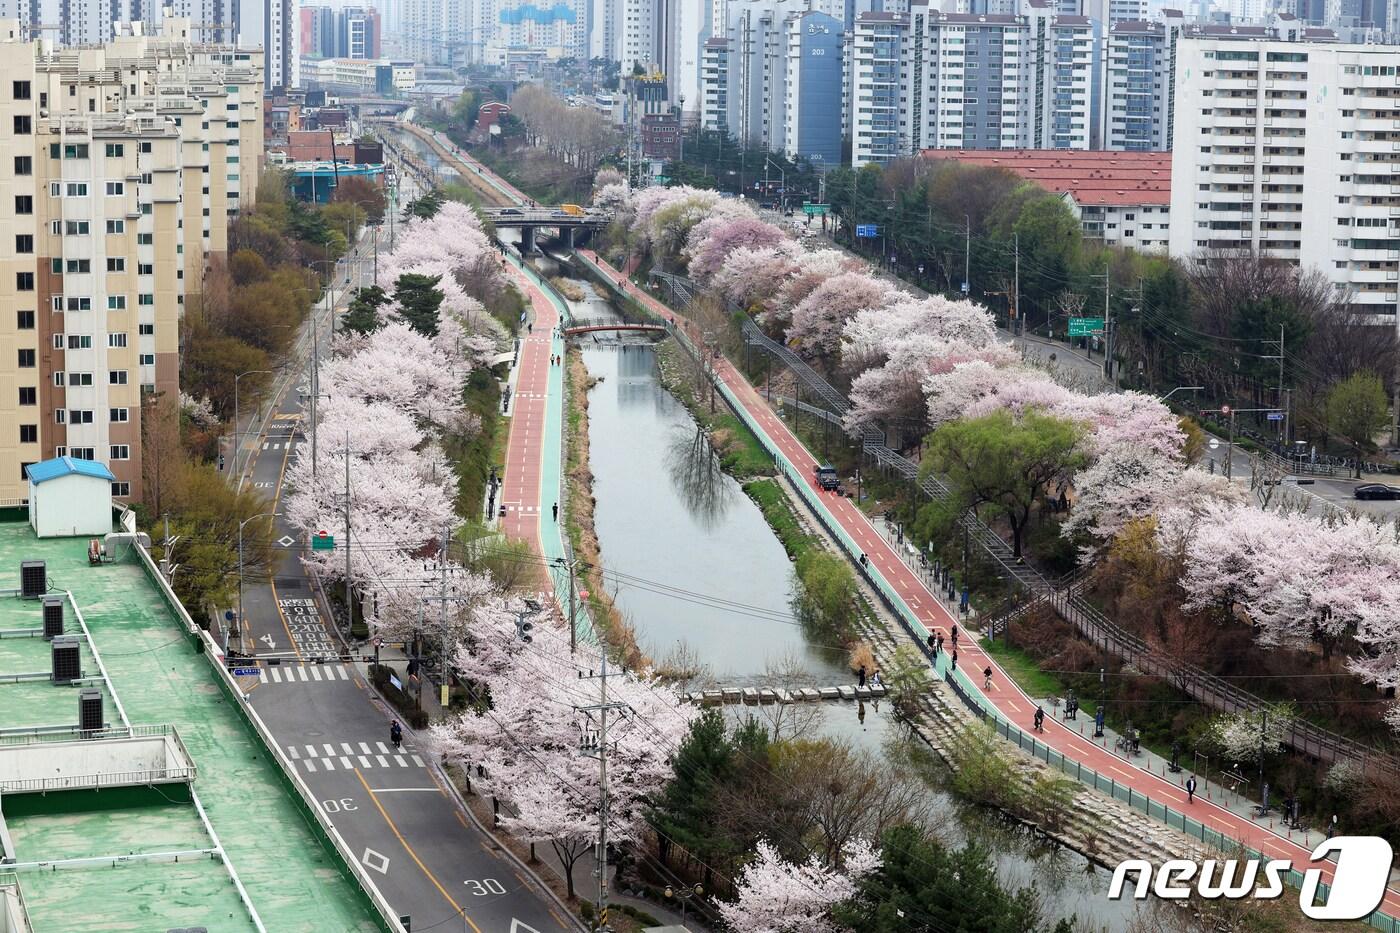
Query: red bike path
x,y
1013,703
525,446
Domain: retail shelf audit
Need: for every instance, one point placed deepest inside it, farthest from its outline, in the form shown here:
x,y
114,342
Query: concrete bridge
x,y
529,219
753,696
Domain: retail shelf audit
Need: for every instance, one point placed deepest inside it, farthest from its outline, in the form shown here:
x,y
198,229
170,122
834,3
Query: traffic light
x,y
522,628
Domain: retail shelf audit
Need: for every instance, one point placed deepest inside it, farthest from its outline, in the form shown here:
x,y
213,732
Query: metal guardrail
x,y
89,781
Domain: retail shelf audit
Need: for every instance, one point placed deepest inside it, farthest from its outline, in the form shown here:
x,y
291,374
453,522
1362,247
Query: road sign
x,y
815,210
323,541
1275,416
228,615
245,672
1084,326
867,231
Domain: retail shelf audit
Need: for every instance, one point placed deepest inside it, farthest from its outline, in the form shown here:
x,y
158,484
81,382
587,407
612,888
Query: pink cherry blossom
x,y
817,322
776,896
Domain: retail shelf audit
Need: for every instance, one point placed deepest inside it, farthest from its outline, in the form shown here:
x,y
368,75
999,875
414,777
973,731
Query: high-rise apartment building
x,y
124,164
1139,84
1287,144
351,32
929,79
274,27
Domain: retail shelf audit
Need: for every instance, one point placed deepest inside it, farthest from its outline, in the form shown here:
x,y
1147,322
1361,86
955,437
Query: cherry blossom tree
x,y
894,390
1125,417
776,896
711,243
817,322
752,276
812,269
869,336
529,738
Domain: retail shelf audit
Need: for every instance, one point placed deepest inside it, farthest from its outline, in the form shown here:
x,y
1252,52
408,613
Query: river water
x,y
701,568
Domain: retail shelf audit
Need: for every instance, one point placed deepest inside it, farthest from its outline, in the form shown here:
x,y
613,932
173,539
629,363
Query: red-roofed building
x,y
1122,198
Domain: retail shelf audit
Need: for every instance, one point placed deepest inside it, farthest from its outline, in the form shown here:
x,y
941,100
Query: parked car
x,y
826,476
1377,491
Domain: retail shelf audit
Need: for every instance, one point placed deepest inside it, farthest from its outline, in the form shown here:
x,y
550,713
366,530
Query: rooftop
x,y
66,466
148,858
1091,177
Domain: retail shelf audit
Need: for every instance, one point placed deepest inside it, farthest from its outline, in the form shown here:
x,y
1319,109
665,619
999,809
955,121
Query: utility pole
x,y
599,749
1107,329
1016,278
967,258
349,602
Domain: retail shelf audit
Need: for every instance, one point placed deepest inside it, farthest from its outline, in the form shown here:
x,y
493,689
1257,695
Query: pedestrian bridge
x,y
595,328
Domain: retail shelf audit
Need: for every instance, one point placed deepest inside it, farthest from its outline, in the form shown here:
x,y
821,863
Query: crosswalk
x,y
303,673
279,445
345,756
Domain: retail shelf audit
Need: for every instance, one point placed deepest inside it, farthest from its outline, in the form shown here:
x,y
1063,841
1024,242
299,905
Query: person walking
x,y
954,659
933,644
396,734
955,636
1332,827
940,643
1040,719
1191,789
862,676
556,511
987,678
875,680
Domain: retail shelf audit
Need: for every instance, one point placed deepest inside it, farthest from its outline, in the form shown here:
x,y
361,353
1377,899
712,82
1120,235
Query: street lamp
x,y
684,895
237,427
238,619
1163,398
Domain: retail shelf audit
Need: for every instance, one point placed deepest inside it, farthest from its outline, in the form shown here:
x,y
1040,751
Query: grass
x,y
473,457
1028,675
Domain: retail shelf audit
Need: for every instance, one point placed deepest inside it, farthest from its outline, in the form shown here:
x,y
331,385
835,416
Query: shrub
x,y
405,704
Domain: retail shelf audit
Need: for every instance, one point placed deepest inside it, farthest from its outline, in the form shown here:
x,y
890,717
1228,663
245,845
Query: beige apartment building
x,y
120,167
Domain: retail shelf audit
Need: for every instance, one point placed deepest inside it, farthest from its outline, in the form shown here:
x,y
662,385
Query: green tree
x,y
363,193
1357,410
362,317
419,300
424,207
923,887
826,591
688,810
1050,244
1004,462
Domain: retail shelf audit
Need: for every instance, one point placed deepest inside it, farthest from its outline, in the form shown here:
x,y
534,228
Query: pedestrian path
x,y
346,756
303,673
923,613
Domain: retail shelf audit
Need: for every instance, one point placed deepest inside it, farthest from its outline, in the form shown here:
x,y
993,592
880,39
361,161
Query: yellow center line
x,y
413,855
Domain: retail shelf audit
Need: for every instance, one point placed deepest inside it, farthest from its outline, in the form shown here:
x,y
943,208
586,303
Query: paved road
x,y
400,821
1005,696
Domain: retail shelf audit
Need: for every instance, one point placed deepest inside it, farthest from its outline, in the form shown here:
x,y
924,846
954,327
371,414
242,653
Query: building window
x,y
116,302
56,266
24,124
115,150
145,239
76,150
24,204
145,300
121,489
121,452
116,226
29,434
79,304
28,395
20,90
24,165
24,320
79,416
77,189
116,377
79,266
116,340
79,380
26,359
82,453
58,379
116,263
24,281
115,188
145,268
77,227
145,330
24,470
24,243
118,415
148,359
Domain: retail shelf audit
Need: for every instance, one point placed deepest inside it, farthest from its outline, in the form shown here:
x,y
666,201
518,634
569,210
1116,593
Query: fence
x,y
963,687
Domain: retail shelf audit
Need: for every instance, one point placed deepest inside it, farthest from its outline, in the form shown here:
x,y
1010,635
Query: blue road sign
x,y
228,615
245,672
867,231
1275,416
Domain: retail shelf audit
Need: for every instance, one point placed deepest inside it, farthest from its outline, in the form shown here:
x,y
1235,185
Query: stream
x,y
703,570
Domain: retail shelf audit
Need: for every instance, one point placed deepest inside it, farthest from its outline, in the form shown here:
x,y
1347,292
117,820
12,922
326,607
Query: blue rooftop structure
x,y
67,466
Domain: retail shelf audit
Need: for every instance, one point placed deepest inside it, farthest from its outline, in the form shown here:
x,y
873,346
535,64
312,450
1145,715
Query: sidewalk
x,y
923,613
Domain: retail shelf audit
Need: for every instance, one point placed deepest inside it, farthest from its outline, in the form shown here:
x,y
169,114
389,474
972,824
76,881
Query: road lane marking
x,y
400,760
316,673
383,762
292,750
382,747
413,855
418,761
310,765
311,751
404,790
364,748
345,747
346,763
328,764
364,762
330,749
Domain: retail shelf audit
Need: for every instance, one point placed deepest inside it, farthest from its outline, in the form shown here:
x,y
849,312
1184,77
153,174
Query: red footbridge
x,y
595,328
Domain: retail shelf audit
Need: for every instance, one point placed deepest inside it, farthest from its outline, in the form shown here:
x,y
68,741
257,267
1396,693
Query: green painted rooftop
x,y
159,677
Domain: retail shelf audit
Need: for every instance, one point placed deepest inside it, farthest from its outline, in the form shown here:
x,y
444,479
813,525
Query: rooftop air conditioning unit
x,y
33,579
67,662
90,711
53,617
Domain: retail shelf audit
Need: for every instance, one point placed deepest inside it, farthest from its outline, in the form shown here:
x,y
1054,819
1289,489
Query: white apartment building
x,y
929,79
1290,143
124,164
274,26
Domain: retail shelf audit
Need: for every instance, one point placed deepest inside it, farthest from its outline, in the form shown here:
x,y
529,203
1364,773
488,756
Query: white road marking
x,y
315,673
382,747
330,749
402,790
328,764
383,762
344,672
346,763
364,762
364,748
311,751
292,750
310,765
418,761
262,675
402,763
345,747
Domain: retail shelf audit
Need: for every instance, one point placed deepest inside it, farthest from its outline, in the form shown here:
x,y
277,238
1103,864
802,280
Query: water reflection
x,y
698,476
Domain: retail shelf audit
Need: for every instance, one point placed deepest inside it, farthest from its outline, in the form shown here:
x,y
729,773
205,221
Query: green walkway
x,y
293,883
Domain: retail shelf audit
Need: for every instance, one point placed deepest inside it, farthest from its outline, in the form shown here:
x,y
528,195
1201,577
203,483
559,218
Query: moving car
x,y
572,209
1376,491
826,476
510,211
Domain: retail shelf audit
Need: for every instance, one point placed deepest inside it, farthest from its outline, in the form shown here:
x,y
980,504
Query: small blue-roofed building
x,y
69,497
